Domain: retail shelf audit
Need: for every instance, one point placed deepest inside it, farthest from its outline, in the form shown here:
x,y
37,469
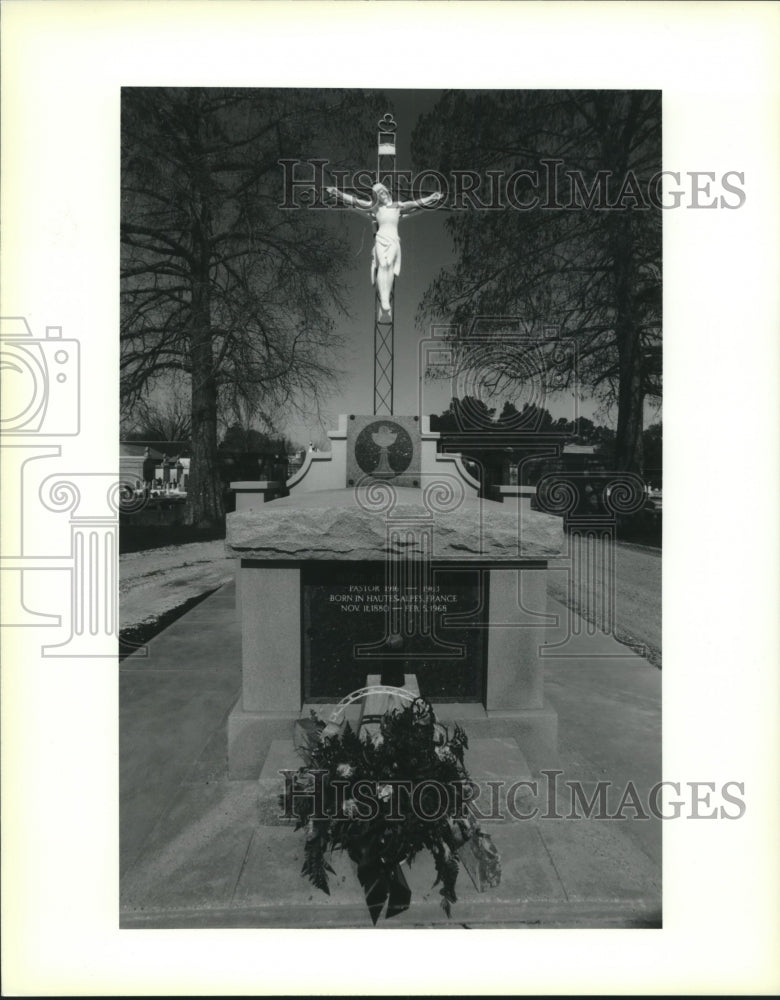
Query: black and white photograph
x,y
388,424
390,556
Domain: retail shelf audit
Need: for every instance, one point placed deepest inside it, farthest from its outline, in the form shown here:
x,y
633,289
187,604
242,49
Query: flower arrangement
x,y
383,797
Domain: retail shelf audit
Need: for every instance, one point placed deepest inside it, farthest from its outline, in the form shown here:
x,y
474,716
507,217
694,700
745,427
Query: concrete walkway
x,y
197,850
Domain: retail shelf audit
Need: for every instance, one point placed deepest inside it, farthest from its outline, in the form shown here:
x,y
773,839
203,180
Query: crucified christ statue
x,y
386,213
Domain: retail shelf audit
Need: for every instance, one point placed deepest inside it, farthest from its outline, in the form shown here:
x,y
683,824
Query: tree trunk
x,y
206,509
628,438
204,493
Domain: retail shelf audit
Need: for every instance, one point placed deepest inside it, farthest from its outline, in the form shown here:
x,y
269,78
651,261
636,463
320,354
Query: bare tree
x,y
168,417
218,282
577,254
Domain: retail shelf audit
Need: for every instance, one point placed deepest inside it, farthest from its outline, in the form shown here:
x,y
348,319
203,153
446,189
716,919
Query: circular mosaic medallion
x,y
383,449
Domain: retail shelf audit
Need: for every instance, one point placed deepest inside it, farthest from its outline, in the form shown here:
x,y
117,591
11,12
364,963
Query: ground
x,y
156,584
637,598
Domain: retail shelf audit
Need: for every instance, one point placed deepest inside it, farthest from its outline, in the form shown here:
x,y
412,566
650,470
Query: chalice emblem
x,y
384,438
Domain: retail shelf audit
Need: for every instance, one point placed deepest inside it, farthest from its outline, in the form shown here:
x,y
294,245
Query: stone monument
x,y
384,553
384,561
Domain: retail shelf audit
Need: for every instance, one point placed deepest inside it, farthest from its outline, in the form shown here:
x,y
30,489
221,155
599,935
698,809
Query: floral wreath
x,y
385,796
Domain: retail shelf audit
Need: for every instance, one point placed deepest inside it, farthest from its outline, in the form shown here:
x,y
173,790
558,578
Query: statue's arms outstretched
x,y
358,204
409,207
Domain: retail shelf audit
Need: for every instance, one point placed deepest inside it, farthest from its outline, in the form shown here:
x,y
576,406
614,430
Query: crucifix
x,y
386,213
385,257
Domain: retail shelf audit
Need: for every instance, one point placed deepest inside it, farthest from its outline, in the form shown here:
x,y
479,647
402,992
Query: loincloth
x,y
387,253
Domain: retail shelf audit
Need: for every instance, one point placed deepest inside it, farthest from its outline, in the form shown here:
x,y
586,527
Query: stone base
x,y
250,735
535,730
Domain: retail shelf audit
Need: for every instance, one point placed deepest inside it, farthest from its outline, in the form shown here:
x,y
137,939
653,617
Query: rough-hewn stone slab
x,y
345,525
